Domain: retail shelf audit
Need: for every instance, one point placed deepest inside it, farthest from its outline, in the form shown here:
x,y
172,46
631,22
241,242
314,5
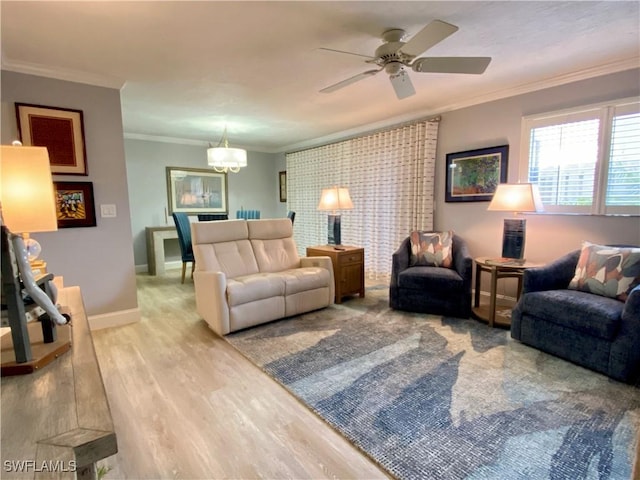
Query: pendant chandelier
x,y
225,159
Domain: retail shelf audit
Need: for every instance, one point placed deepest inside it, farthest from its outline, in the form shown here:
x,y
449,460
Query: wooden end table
x,y
492,314
348,268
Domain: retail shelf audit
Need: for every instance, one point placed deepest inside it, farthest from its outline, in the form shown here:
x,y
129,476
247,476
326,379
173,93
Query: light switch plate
x,y
108,211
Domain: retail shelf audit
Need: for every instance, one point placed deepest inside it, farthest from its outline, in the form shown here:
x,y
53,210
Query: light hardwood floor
x,y
185,404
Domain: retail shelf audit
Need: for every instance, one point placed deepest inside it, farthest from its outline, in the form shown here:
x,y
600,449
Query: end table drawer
x,y
351,257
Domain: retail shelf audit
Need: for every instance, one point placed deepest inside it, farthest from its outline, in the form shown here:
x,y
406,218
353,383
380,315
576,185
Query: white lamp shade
x,y
516,197
26,190
225,157
335,198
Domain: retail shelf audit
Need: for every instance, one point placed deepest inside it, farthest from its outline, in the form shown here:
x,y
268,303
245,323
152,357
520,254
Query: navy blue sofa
x,y
596,332
436,290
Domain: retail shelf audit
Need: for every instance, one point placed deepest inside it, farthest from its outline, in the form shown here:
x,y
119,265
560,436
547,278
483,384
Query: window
x,y
585,160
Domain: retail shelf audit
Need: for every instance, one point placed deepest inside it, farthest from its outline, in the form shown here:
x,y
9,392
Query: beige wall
x,y
498,123
98,259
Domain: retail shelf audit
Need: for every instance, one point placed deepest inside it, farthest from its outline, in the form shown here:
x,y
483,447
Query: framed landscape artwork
x,y
75,206
282,181
194,190
61,130
474,175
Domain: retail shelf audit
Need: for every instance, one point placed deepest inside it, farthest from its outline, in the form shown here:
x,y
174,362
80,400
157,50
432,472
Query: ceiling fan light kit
x,y
395,54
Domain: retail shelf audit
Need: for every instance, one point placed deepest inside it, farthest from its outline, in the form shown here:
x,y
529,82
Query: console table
x,y
155,247
348,268
56,422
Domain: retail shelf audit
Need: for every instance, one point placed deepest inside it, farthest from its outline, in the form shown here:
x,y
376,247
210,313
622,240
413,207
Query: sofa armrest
x,y
399,261
462,261
624,357
553,276
211,299
324,262
631,311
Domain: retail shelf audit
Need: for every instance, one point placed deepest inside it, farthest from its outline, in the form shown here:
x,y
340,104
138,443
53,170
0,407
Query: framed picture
x,y
283,185
61,130
473,176
75,206
195,190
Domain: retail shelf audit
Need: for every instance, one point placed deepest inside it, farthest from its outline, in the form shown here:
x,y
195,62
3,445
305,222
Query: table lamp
x,y
27,204
515,197
334,199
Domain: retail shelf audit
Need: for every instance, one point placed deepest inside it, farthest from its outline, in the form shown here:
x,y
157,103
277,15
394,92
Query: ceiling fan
x,y
395,54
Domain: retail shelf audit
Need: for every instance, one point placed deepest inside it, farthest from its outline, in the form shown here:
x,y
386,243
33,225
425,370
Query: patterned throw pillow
x,y
608,271
431,249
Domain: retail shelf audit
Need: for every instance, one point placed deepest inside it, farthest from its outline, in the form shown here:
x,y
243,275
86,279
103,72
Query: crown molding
x,y
192,142
163,139
62,74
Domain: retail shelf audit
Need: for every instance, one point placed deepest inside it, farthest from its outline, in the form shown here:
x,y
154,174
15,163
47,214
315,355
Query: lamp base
x,y
513,238
41,353
333,230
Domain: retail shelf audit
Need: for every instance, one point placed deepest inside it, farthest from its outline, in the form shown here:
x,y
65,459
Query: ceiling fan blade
x,y
473,65
426,38
347,53
402,85
349,81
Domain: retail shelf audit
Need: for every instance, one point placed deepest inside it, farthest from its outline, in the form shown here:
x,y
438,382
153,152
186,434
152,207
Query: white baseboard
x,y
114,319
167,266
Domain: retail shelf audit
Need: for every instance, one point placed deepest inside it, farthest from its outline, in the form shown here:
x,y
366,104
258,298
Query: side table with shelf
x,y
492,313
348,268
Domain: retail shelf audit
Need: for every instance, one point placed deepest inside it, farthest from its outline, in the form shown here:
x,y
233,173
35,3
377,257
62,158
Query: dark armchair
x,y
594,331
183,226
436,290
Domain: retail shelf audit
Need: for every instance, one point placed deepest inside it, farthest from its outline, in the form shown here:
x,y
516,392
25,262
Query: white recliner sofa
x,y
249,272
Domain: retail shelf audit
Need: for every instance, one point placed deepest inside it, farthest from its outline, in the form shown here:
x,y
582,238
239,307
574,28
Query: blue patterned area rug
x,y
443,398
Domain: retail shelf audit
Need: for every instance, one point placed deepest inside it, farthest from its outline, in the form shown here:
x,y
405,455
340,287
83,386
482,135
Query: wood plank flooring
x,y
185,404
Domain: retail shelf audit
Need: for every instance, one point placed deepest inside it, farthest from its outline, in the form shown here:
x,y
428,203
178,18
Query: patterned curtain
x,y
390,178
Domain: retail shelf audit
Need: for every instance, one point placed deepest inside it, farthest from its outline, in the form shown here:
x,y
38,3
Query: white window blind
x,y
585,160
623,179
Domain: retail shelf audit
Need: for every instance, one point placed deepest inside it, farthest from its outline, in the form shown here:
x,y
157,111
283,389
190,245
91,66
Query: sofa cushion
x,y
430,278
254,287
223,246
270,229
303,279
273,244
221,231
432,249
608,271
276,255
591,314
235,259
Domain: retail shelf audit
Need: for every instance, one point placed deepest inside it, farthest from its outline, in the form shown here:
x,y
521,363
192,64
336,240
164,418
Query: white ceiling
x,y
190,68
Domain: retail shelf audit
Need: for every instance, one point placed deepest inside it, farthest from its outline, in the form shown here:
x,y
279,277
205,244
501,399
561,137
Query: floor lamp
x,y
334,199
515,197
27,204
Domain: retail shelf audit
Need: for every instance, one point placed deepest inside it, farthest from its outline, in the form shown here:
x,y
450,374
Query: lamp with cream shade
x,y
335,199
27,197
515,197
27,205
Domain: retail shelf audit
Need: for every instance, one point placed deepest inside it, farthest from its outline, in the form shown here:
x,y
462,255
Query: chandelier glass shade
x,y
222,158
